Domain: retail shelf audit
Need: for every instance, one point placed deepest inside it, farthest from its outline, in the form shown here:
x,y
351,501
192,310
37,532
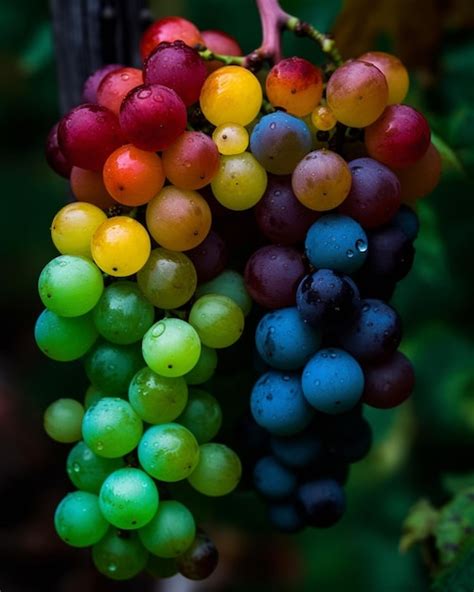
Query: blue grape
x,y
286,517
272,479
323,502
407,220
297,451
284,340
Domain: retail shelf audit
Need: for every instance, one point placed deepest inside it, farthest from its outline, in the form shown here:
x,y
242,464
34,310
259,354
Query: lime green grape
x,y
202,415
170,532
218,471
171,347
217,319
231,138
160,568
70,286
205,367
157,399
128,498
64,339
92,395
87,471
111,367
240,181
120,555
231,284
168,278
169,452
111,428
123,314
78,519
63,420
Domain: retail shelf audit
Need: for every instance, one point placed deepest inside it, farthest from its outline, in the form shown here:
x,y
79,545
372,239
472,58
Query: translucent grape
x,y
322,180
191,161
200,560
92,83
231,138
78,519
152,116
357,93
279,141
231,94
120,246
399,138
169,452
110,366
63,420
177,66
171,531
171,28
168,279
240,182
111,428
123,315
220,42
202,415
218,320
64,339
133,176
210,257
178,219
88,186
115,86
231,284
88,134
421,178
157,399
128,498
87,471
295,85
171,347
55,157
70,285
323,118
204,368
218,471
120,556
394,71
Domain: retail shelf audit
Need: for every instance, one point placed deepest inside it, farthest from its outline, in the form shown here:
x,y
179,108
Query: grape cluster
x,y
198,208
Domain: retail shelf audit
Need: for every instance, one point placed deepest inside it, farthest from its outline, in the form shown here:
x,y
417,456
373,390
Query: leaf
x,y
418,525
454,482
460,576
455,526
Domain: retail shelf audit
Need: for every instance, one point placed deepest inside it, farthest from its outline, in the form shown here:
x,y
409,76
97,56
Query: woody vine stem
x,y
275,21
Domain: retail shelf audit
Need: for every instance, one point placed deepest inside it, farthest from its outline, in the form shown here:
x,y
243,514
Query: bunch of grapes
x,y
200,206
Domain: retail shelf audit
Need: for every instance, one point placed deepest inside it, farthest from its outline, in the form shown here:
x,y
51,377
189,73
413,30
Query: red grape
x,y
388,383
91,85
55,156
220,42
115,87
422,177
171,28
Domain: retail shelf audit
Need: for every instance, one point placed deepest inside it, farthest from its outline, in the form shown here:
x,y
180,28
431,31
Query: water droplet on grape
x,y
76,467
100,446
361,245
350,253
158,330
112,567
144,94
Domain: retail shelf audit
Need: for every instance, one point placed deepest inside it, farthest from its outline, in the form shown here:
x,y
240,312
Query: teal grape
x,y
87,471
111,367
63,420
78,519
218,320
218,471
202,415
120,555
205,367
231,284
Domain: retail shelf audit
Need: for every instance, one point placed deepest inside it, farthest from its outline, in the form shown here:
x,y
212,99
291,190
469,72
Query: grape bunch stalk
x,y
215,207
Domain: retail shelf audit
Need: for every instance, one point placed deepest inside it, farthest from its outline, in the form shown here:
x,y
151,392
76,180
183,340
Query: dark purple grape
x,y
200,560
91,85
55,156
323,502
388,383
272,275
280,216
286,517
390,254
209,257
374,334
348,441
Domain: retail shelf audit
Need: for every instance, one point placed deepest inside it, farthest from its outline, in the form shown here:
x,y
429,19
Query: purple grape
x,y
200,560
55,156
323,502
209,257
388,383
390,254
91,85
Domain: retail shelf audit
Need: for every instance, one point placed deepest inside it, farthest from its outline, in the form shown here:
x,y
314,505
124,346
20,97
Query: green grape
x,y
111,367
229,283
205,367
170,532
157,399
217,319
128,498
240,181
111,428
168,278
92,395
120,555
63,420
70,286
218,471
78,519
169,452
202,415
64,339
160,568
88,471
123,314
171,347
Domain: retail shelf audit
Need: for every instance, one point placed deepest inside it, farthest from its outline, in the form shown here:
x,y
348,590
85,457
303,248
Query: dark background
x,y
417,447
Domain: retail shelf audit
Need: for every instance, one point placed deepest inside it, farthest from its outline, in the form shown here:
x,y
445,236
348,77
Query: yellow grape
x,y
394,71
231,138
73,226
323,118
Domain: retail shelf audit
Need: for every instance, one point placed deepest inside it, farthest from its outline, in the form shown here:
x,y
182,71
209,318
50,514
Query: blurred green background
x,y
419,449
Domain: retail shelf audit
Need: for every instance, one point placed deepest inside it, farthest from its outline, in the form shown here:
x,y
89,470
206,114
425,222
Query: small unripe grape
x,y
218,320
231,284
202,415
115,86
357,93
204,368
64,338
231,94
218,471
73,227
119,556
63,420
394,71
120,246
323,118
79,521
231,138
87,471
88,186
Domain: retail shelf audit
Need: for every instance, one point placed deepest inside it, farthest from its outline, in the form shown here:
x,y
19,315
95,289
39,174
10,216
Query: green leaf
x,y
455,526
419,525
460,576
454,482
